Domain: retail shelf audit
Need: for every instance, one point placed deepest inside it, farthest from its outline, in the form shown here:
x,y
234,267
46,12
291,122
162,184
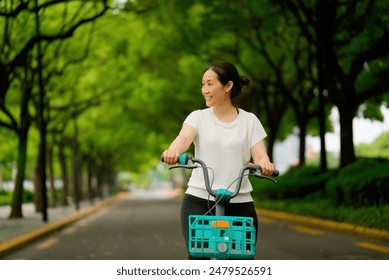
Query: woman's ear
x,y
229,86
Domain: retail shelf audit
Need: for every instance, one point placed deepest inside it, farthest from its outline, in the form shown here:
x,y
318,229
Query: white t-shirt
x,y
224,147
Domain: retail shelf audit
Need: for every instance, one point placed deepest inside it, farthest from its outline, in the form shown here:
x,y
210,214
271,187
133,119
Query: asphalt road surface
x,y
141,227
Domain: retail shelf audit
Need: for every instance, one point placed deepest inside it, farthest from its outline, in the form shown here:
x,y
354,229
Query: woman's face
x,y
214,92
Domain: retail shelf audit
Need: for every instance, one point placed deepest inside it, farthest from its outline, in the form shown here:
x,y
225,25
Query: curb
x,y
379,235
17,242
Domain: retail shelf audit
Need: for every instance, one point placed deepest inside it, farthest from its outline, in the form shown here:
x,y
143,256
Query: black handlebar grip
x,y
275,173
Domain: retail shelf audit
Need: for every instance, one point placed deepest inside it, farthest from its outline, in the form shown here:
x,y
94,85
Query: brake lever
x,y
259,175
183,166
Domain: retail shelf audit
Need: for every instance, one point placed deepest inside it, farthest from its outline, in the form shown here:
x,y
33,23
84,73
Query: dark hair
x,y
227,72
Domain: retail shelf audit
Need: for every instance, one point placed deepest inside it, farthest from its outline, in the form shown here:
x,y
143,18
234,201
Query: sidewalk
x,y
15,233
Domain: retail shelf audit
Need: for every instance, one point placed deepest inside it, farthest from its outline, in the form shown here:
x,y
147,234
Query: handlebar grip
x,y
276,172
182,159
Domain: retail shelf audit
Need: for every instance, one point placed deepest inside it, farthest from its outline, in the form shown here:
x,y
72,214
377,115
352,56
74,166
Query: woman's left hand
x,y
267,167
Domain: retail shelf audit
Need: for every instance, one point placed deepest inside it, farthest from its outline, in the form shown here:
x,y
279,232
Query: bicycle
x,y
221,236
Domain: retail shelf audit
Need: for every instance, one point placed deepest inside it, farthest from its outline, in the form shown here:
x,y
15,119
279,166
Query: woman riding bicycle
x,y
226,138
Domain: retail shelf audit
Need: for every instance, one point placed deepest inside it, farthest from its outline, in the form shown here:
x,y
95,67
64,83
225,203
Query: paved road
x,y
130,229
149,229
288,241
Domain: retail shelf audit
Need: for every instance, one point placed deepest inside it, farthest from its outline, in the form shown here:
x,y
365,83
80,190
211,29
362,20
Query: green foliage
x,y
28,196
357,194
364,183
370,216
378,149
147,92
6,197
297,182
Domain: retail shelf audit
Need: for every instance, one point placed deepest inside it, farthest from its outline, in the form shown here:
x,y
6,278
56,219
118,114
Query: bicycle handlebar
x,y
188,162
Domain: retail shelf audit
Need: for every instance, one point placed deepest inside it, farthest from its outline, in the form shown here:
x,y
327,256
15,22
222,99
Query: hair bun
x,y
243,81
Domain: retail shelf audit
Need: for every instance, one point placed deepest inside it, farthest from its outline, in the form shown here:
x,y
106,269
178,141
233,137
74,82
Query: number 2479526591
x,y
231,270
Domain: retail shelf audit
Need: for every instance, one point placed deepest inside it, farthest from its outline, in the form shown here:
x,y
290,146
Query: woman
x,y
226,138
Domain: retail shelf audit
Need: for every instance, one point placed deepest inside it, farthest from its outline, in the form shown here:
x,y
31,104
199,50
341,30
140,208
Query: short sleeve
x,y
257,132
193,120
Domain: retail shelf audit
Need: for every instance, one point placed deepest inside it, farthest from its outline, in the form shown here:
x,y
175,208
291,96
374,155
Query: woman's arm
x,y
260,157
180,144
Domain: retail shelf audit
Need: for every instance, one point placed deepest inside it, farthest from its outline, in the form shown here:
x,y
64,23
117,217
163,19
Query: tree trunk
x,y
347,152
40,174
90,187
53,194
76,172
322,133
64,174
271,141
41,120
325,28
100,183
38,186
302,142
22,133
17,200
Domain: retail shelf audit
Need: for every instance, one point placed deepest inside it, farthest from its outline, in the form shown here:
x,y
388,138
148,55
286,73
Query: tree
x,y
348,35
287,56
17,53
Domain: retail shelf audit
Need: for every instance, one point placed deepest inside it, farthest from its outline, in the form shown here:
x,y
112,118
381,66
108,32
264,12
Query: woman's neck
x,y
226,113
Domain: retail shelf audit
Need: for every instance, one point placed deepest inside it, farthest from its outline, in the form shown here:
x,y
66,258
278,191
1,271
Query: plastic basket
x,y
221,237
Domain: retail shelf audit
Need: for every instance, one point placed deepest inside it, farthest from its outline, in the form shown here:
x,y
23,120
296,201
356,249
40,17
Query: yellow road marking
x,y
70,230
306,230
374,247
82,223
382,235
48,243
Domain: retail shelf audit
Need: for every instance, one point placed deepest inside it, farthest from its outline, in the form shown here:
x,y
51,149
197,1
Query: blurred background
x,y
92,92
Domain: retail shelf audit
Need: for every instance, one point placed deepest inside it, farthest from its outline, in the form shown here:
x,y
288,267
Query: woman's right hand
x,y
170,156
179,145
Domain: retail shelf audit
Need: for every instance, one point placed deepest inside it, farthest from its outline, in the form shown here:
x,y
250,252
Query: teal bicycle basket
x,y
221,237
